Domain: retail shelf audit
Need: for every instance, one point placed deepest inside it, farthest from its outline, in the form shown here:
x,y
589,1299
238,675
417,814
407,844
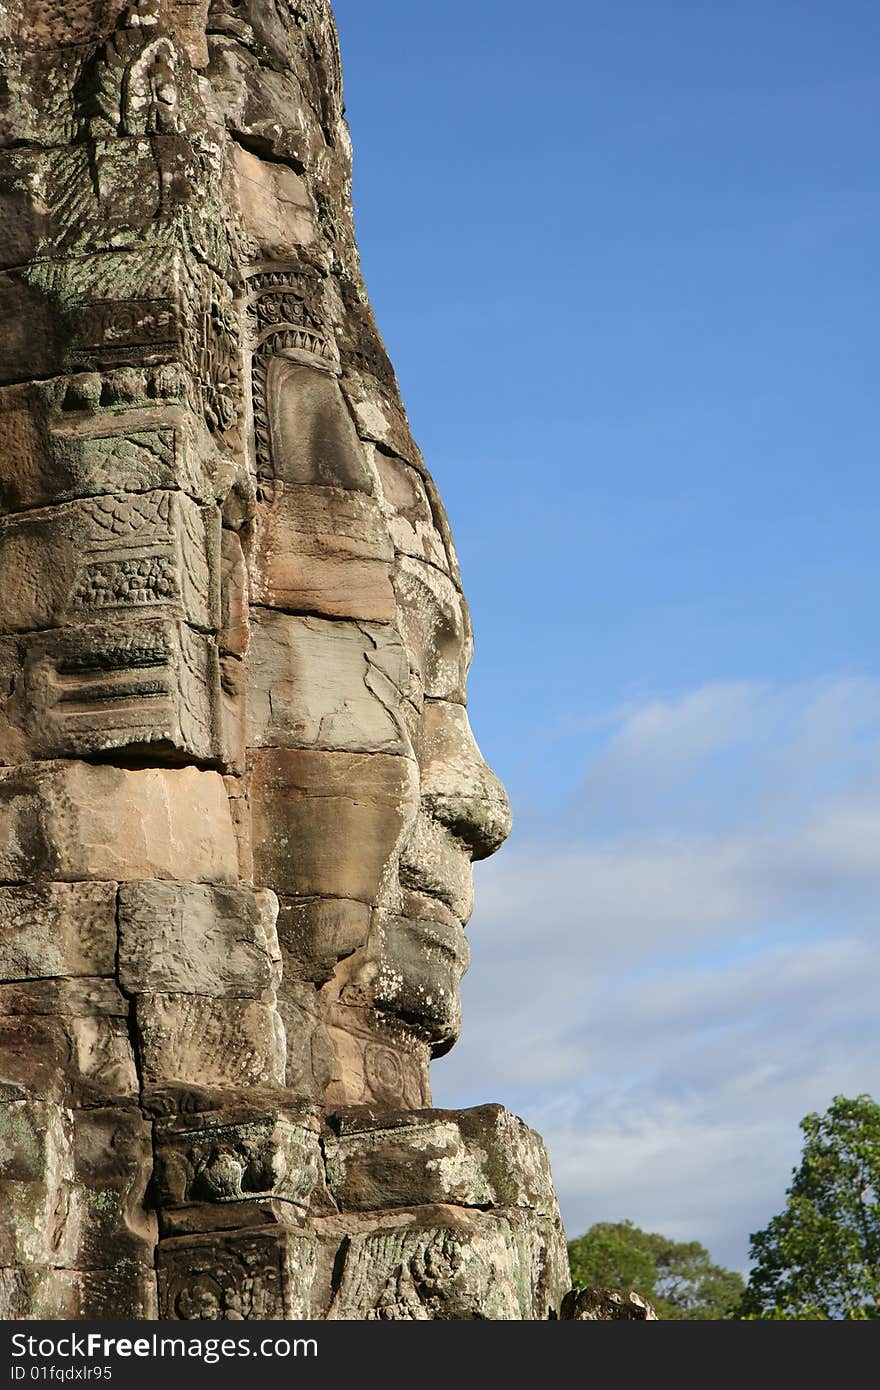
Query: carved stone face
x,y
219,546
233,652
369,795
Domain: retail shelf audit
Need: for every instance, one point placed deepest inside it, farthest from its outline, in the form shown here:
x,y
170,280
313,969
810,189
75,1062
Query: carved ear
x,y
313,440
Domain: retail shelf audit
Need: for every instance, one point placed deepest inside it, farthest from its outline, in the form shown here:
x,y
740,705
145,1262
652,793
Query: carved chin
x,y
419,978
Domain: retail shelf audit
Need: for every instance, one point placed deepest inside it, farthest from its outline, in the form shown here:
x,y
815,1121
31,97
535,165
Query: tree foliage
x,y
820,1258
679,1279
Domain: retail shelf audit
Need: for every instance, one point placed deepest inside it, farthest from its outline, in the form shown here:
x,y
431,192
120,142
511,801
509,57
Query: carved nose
x,y
459,789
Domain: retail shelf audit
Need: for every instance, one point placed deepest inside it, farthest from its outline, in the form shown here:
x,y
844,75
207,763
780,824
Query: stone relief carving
x,y
284,324
130,86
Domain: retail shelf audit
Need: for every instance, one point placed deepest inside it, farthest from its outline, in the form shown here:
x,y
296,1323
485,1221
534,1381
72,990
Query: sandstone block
x,y
62,998
436,865
146,686
92,434
36,1170
129,313
516,1161
315,933
411,970
435,625
71,821
408,508
240,815
346,815
483,1157
192,1038
388,1163
444,1263
309,1051
237,1277
36,1292
235,628
150,553
321,684
236,1161
55,929
60,192
323,551
276,206
252,94
312,439
459,789
606,1305
377,1061
66,1041
113,1161
369,388
190,938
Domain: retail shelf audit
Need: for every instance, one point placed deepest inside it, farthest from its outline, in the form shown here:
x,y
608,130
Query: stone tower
x,y
239,795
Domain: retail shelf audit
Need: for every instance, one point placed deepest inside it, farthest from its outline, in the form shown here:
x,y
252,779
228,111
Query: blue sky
x,y
624,259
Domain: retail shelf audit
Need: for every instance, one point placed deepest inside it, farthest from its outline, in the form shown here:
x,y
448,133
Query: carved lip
x,y
447,938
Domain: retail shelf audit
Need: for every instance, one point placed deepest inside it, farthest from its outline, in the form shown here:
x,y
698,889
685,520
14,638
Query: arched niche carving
x,y
302,432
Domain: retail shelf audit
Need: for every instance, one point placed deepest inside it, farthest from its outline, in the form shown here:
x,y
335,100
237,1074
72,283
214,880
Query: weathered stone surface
x,y
251,95
235,629
375,1061
435,864
324,551
36,1170
108,1219
484,1157
450,1264
316,933
382,1164
236,1159
435,626
209,1041
122,431
321,684
347,815
80,1061
459,790
314,445
68,821
276,206
412,522
192,938
56,929
77,691
59,192
130,315
411,971
309,1058
66,1041
517,1163
114,1294
151,553
239,1276
71,998
606,1305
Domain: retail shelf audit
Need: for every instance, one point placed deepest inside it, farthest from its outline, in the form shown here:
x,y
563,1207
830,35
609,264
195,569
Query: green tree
x,y
820,1258
679,1279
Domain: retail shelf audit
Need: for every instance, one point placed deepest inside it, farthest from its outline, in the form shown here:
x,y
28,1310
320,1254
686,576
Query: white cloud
x,y
684,962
